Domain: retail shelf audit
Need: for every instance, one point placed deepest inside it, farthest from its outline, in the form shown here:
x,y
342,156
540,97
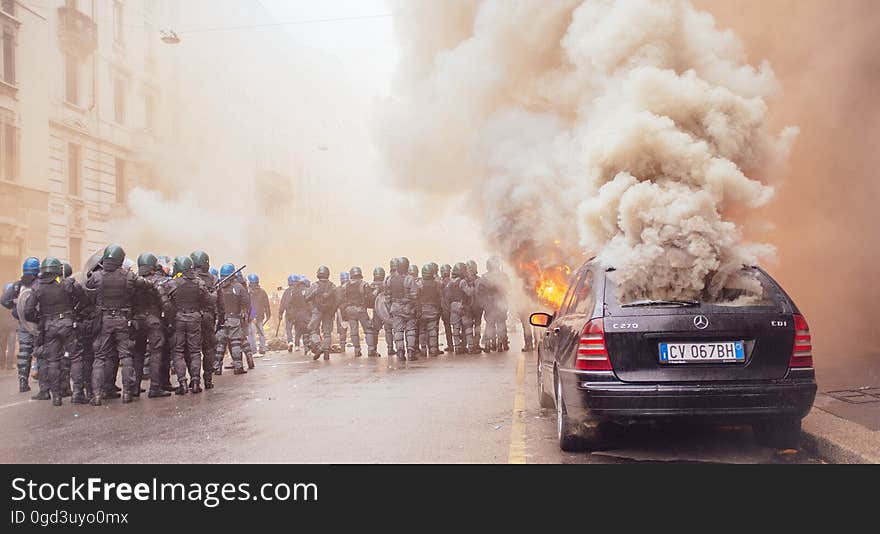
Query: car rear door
x,y
568,327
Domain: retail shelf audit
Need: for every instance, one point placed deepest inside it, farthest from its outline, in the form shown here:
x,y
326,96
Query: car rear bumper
x,y
611,400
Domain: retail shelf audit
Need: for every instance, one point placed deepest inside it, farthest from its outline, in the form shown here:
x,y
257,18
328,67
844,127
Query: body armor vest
x,y
398,289
231,304
456,294
354,294
430,293
54,299
113,294
186,295
147,301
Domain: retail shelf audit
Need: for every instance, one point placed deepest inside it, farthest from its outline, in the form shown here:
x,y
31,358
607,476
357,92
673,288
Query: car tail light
x,y
802,356
592,354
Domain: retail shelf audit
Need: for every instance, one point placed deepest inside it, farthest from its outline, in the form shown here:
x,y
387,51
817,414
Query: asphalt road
x,y
290,409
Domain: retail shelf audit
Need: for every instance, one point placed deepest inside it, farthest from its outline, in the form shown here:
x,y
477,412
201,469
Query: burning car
x,y
737,359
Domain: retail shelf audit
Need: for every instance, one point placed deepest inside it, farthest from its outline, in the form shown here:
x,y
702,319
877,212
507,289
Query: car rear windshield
x,y
754,290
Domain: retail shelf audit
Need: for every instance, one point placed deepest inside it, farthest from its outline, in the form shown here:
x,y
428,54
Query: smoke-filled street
x,y
291,409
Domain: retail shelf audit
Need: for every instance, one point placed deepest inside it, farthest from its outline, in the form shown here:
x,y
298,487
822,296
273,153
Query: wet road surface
x,y
290,409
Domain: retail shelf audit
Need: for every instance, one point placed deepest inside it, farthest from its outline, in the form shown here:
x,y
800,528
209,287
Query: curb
x,y
836,440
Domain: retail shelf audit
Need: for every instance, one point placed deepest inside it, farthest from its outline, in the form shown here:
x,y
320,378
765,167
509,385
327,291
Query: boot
x,y
476,350
316,356
414,356
181,387
209,384
127,397
358,353
23,386
243,371
527,348
156,393
79,398
435,353
401,356
290,346
111,395
449,349
459,350
169,388
96,400
326,356
56,400
195,387
41,396
490,346
67,392
250,361
505,346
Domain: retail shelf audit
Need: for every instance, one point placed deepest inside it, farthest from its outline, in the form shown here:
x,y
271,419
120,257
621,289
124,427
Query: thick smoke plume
x,y
628,129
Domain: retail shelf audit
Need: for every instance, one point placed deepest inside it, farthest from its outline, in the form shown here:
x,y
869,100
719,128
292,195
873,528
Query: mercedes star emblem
x,y
701,322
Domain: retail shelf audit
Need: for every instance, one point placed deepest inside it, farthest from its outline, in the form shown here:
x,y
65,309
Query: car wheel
x,y
566,429
545,400
779,434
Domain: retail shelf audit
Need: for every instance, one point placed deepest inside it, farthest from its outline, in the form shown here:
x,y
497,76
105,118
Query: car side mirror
x,y
541,320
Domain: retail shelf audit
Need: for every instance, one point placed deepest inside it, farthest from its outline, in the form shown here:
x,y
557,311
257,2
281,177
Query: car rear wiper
x,y
646,303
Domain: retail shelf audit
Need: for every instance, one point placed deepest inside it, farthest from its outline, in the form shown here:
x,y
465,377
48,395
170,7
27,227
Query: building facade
x,y
80,102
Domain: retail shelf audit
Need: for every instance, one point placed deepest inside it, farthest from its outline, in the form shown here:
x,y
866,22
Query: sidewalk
x,y
844,426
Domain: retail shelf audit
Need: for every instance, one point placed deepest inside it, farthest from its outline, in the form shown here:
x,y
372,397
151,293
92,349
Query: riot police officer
x,y
430,296
232,300
341,319
459,295
202,265
401,294
187,297
477,305
287,310
378,290
51,304
262,310
445,277
149,335
26,332
355,296
115,289
493,289
323,298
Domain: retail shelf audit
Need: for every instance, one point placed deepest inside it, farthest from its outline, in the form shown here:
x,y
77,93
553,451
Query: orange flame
x,y
548,283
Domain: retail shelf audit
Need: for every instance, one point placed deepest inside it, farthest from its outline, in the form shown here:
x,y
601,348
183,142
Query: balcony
x,y
77,32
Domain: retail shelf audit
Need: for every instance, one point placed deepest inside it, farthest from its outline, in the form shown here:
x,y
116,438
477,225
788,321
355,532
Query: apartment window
x,y
74,253
74,168
71,79
8,6
121,189
119,100
119,23
9,151
8,58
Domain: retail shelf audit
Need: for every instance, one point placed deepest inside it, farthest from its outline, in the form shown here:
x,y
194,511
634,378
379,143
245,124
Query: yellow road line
x,y
517,453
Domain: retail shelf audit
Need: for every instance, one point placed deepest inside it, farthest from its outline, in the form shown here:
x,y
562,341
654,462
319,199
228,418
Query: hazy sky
x,y
366,48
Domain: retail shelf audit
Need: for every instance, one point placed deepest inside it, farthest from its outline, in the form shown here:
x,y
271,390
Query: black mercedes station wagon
x,y
736,361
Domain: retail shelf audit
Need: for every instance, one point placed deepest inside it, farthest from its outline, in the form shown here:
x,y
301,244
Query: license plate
x,y
722,351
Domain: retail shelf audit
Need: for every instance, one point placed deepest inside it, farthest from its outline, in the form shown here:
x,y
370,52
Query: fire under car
x,y
603,362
